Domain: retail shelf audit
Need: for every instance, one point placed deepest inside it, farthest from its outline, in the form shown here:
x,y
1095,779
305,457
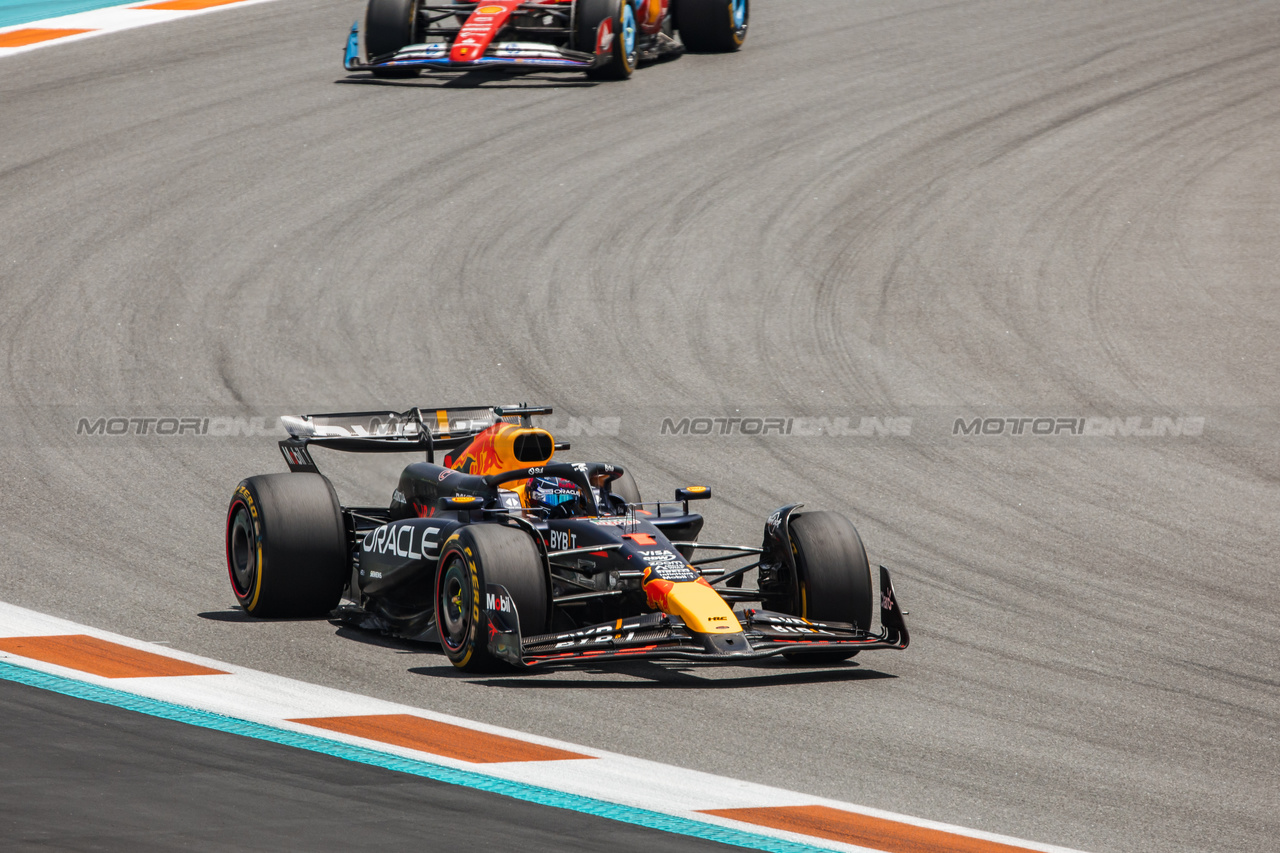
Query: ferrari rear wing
x,y
420,428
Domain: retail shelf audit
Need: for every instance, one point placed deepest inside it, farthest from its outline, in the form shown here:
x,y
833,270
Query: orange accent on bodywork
x,y
35,35
656,592
440,738
695,602
99,657
640,538
480,457
649,15
860,830
493,451
521,488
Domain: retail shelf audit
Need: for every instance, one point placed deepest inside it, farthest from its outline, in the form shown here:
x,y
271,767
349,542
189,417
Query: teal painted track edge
x,y
438,772
36,11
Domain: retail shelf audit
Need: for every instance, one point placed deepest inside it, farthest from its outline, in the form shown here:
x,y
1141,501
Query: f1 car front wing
x,y
530,56
662,637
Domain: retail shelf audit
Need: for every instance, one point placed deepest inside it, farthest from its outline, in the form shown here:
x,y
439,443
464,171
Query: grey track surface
x,y
84,776
913,208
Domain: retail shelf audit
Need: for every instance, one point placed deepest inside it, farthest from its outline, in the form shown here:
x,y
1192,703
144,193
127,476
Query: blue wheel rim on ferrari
x,y
628,29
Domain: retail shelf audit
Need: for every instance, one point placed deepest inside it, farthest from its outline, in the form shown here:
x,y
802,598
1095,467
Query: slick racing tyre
x,y
286,546
390,25
623,36
712,26
473,557
833,578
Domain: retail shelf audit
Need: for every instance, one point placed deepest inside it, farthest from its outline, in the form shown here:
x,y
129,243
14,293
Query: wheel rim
x,y
629,31
739,12
454,606
242,553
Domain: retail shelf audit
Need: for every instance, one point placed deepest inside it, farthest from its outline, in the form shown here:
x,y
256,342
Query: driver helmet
x,y
556,495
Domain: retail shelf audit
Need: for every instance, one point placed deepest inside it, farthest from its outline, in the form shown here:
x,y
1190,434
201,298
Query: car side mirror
x,y
693,493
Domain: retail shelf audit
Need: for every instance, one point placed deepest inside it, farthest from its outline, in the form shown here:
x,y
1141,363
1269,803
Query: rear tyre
x,y
390,25
833,577
623,51
473,557
713,26
286,546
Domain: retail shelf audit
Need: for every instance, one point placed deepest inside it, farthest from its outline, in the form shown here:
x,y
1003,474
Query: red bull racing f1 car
x,y
506,557
603,38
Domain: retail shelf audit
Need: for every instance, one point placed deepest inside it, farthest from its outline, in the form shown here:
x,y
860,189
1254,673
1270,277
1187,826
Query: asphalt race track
x,y
84,776
919,209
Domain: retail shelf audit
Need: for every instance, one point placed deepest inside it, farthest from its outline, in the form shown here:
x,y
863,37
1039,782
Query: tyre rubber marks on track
x,y
174,685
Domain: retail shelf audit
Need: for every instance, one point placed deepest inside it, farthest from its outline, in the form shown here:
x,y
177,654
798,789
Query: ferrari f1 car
x,y
603,38
504,556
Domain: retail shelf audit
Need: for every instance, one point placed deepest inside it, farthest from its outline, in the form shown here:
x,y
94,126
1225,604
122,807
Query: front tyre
x,y
713,26
472,558
622,36
833,577
286,546
390,25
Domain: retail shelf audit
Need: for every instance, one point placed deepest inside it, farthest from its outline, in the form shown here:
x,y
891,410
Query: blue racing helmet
x,y
559,497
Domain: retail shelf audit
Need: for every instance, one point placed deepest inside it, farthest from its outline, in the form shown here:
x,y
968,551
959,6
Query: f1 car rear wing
x,y
420,428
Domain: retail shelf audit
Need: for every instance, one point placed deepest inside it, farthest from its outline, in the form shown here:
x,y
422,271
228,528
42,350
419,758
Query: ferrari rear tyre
x,y
833,578
286,546
390,25
712,26
473,557
623,37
